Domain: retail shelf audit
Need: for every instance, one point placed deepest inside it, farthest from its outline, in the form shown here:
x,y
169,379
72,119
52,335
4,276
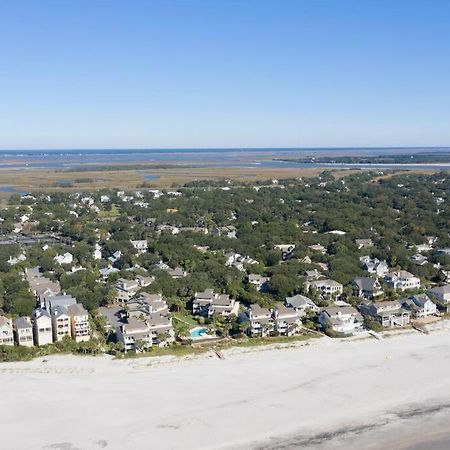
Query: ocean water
x,y
240,157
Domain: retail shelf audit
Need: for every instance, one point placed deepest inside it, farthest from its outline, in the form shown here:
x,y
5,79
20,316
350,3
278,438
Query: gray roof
x,y
39,312
258,310
441,289
283,310
365,283
60,311
297,301
23,322
222,300
334,310
207,294
54,301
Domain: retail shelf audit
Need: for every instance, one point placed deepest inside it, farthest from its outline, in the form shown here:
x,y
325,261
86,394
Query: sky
x,y
248,73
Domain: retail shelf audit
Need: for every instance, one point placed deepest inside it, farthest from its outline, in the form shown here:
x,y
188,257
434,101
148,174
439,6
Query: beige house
x,y
23,331
6,331
61,323
327,288
79,323
42,327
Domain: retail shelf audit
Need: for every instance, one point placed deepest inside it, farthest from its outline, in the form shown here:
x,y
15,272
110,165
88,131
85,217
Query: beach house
x,y
42,327
301,304
23,332
327,288
287,320
6,331
344,319
366,287
402,280
441,295
420,305
79,323
208,303
261,321
388,314
60,323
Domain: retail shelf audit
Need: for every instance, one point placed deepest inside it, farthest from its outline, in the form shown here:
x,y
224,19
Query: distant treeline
x,y
426,158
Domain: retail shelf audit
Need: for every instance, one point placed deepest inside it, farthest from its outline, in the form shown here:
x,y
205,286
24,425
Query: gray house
x,y
366,287
389,314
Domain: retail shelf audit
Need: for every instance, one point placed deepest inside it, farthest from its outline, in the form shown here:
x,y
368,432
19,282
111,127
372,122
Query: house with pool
x,y
210,303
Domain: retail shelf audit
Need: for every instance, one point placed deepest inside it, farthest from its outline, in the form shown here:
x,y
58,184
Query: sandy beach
x,y
319,394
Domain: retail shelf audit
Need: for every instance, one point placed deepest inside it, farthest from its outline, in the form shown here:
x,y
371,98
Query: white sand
x,y
253,398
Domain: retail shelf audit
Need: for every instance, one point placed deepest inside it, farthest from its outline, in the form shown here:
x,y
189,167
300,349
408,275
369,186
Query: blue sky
x,y
89,74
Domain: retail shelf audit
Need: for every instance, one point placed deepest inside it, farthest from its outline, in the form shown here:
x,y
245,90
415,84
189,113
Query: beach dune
x,y
357,393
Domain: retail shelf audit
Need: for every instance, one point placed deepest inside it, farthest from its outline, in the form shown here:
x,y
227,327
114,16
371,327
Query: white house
x,y
141,246
402,280
258,281
302,304
261,321
421,306
345,319
442,296
287,320
23,331
208,303
97,252
15,260
67,258
42,327
6,331
374,266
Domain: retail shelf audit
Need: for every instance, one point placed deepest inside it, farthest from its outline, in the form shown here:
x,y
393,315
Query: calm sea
x,y
239,157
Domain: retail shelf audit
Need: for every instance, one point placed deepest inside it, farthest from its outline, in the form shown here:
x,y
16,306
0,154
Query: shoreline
x,y
319,394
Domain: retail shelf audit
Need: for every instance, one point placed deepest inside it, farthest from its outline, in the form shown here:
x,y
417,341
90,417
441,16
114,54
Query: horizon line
x,y
408,147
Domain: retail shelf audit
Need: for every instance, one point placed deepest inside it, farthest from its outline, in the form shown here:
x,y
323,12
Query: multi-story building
x,y
261,321
327,288
402,280
345,319
141,246
79,323
366,287
6,331
389,314
61,323
287,320
208,303
42,327
23,331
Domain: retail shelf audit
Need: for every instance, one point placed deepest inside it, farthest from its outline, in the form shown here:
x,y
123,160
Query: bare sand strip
x,y
320,394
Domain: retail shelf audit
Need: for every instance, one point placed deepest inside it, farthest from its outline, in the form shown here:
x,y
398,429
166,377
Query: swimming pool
x,y
198,332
